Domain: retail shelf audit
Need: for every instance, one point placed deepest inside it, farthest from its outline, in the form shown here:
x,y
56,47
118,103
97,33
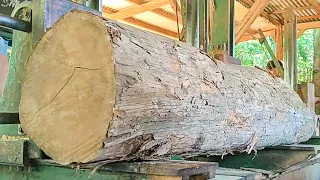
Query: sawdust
x,y
13,138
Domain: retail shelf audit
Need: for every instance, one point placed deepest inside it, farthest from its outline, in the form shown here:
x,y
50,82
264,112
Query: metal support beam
x,y
223,27
290,48
14,23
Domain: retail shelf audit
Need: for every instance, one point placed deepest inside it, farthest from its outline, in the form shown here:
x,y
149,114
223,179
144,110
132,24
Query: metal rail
x,y
14,23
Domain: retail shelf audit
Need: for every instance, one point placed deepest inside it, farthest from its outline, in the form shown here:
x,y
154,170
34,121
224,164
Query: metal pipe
x,y
14,23
5,35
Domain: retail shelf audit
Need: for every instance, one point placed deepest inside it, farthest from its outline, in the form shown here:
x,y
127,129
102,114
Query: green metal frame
x,y
223,27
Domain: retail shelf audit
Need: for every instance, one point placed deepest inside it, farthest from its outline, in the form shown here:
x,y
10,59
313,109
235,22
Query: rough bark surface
x,y
116,92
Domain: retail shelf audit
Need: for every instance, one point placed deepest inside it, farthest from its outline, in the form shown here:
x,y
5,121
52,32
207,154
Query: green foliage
x,y
252,53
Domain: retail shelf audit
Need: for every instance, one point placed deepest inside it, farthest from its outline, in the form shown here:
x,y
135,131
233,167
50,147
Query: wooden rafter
x,y
108,11
256,36
158,11
309,25
254,12
249,4
176,8
304,18
137,9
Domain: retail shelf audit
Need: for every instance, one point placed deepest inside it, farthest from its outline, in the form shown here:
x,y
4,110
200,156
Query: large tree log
x,y
96,89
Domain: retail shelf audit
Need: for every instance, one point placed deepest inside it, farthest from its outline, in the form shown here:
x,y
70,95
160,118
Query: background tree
x,y
252,53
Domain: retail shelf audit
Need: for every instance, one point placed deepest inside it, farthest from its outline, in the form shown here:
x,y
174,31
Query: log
x,y
96,89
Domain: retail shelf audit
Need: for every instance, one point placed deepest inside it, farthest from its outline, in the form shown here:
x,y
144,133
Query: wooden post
x,y
316,66
279,43
307,94
290,49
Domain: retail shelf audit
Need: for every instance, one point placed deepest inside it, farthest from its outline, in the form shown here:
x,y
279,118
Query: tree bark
x,y
96,89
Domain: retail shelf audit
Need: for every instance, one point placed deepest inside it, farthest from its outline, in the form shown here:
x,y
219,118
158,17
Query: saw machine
x,y
20,158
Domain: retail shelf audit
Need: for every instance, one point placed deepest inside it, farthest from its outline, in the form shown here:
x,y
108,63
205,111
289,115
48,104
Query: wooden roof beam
x,y
309,25
254,12
109,11
158,11
137,9
249,4
256,36
304,18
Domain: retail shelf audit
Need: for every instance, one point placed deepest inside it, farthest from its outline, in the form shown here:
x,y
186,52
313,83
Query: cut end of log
x,y
76,75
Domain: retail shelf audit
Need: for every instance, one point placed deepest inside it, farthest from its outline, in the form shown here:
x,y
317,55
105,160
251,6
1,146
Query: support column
x,y
279,43
290,48
223,27
316,66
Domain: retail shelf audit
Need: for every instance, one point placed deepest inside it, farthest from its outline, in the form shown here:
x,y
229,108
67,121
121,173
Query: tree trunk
x,y
96,89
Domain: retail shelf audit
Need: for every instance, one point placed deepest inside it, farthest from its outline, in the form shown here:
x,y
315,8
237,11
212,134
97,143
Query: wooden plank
x,y
249,4
254,12
137,22
137,9
158,11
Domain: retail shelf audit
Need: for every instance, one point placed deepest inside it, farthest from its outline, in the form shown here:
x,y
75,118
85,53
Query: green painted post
x,y
21,49
223,26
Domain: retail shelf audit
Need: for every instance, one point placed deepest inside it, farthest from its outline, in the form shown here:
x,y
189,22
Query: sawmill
x,y
153,90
